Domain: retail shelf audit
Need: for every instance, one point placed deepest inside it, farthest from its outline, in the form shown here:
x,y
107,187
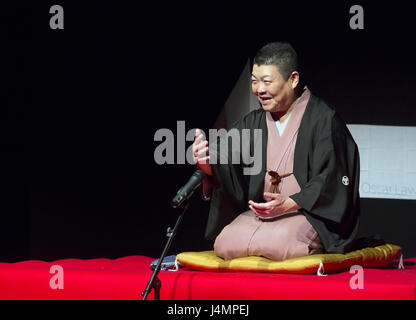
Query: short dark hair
x,y
280,54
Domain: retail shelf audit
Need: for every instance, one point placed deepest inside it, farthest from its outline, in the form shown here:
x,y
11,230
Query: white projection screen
x,y
387,159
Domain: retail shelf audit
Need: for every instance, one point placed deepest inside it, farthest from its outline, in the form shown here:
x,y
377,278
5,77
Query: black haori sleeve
x,y
329,194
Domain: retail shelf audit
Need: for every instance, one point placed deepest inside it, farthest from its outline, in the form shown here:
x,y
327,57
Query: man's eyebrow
x,y
262,77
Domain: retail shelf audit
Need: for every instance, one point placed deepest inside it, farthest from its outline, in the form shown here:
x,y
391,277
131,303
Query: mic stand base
x,y
154,282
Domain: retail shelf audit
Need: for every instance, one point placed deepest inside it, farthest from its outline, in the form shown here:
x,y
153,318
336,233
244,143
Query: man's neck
x,y
282,115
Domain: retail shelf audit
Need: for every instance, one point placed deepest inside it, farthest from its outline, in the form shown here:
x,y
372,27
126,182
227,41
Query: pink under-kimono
x,y
286,236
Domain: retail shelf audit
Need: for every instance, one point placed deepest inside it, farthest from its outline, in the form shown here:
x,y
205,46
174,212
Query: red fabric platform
x,y
125,278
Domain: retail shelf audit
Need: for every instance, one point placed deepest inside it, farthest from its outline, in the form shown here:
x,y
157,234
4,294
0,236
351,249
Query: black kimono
x,y
326,166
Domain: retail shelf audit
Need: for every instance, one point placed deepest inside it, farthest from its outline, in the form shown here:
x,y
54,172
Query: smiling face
x,y
275,94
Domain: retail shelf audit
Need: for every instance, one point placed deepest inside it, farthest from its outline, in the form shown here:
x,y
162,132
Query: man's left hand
x,y
278,204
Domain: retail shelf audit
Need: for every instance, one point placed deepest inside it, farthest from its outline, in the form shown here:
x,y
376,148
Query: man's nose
x,y
260,89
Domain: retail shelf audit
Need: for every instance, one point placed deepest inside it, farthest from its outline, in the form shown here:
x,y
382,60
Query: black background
x,y
80,107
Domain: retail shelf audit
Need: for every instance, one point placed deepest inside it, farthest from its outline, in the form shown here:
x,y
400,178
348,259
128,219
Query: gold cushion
x,y
332,262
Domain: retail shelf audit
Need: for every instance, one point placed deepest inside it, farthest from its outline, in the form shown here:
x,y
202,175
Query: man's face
x,y
274,93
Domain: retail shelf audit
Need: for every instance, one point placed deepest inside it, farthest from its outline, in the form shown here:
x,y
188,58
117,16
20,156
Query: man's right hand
x,y
199,151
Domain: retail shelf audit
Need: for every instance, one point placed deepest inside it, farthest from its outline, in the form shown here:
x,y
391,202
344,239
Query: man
x,y
305,200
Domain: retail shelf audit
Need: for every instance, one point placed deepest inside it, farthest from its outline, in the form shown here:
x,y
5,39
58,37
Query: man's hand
x,y
278,204
199,150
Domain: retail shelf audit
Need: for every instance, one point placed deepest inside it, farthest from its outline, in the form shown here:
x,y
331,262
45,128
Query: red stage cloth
x,y
125,278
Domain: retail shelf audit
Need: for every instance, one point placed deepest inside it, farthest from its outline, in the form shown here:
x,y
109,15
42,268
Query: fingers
x,y
199,142
259,206
198,136
267,209
260,209
200,146
259,212
271,195
197,132
278,198
200,151
203,160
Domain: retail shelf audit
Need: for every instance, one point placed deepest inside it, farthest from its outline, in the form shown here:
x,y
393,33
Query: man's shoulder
x,y
324,115
320,108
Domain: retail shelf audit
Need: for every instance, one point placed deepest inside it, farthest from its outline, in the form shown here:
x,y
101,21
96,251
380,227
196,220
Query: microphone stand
x,y
154,282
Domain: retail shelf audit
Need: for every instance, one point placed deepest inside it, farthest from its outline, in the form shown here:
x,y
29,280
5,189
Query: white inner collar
x,y
281,127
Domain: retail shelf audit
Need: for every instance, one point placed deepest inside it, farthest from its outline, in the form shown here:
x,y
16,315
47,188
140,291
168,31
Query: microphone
x,y
188,189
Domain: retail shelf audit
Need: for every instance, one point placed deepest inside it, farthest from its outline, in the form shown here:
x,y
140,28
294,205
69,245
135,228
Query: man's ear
x,y
294,79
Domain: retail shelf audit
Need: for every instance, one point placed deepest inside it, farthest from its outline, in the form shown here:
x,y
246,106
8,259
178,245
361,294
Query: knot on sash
x,y
275,179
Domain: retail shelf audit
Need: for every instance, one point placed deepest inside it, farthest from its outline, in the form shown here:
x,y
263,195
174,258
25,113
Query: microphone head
x,y
187,190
